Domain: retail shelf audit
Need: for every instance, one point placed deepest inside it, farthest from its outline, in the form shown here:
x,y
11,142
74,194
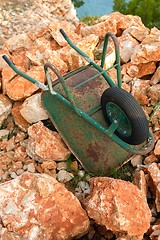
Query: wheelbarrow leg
x,y
112,128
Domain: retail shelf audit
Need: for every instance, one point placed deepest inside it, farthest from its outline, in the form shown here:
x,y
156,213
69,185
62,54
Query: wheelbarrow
x,y
102,124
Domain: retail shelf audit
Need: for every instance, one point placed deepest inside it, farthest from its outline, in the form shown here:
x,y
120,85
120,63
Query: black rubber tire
x,y
135,114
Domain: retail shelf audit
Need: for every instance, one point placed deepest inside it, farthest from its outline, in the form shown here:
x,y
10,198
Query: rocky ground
x,y
44,192
20,16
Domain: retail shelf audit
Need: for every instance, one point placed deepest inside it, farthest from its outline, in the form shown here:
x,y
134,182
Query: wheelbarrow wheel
x,y
121,107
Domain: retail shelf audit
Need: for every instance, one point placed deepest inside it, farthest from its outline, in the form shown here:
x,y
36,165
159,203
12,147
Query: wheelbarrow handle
x,y
63,33
24,75
62,81
7,60
117,64
90,61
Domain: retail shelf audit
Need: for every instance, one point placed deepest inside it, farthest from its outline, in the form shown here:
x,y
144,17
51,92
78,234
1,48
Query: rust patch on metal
x,y
92,152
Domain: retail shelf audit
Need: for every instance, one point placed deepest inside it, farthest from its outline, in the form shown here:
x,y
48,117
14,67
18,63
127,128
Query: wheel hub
x,y
118,116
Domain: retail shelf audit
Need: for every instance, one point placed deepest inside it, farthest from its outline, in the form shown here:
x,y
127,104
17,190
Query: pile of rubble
x,y
44,193
18,16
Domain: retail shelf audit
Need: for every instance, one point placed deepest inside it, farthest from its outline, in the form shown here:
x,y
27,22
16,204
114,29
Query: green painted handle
x,y
24,75
90,61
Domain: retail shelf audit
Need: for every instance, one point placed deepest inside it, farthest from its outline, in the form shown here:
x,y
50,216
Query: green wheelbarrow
x,y
102,124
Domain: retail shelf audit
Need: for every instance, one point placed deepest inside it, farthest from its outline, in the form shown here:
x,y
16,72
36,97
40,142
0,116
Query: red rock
x,y
154,176
154,93
154,119
119,206
27,88
38,32
150,158
141,70
126,78
141,98
60,10
39,55
7,75
69,29
16,42
7,235
126,87
20,60
121,21
156,77
15,166
138,33
54,58
49,167
108,23
126,46
157,148
155,230
113,74
35,54
127,21
3,64
72,58
36,206
140,181
18,118
5,108
32,109
157,201
20,153
45,144
148,50
139,85
42,42
139,90
10,144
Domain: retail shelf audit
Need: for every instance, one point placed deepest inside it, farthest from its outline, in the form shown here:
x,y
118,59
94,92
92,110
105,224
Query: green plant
x,y
4,125
125,172
155,109
148,10
13,132
89,20
77,3
70,159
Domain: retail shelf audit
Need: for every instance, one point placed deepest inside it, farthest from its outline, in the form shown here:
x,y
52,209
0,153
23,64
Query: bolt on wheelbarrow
x,y
101,123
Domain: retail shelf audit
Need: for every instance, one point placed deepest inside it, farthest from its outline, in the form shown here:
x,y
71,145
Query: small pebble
x,y
153,219
19,171
136,160
79,195
61,166
88,177
31,168
25,167
13,175
87,191
83,185
4,133
64,176
81,173
5,176
91,232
